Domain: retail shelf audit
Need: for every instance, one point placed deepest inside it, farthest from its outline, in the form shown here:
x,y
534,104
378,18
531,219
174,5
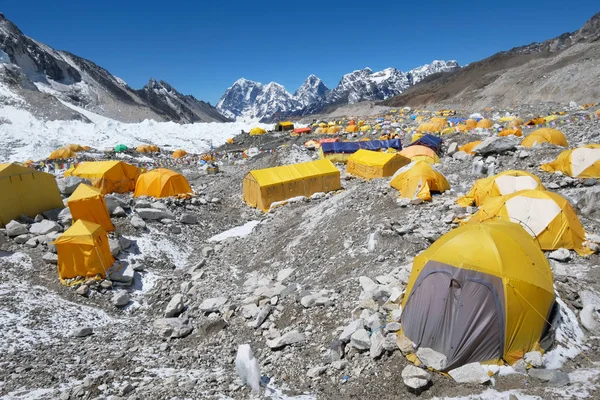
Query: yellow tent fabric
x,y
550,118
468,148
257,131
179,153
501,184
434,125
321,130
147,148
365,128
83,250
352,128
26,191
332,130
535,121
516,122
582,162
331,123
471,124
108,176
87,203
417,180
461,128
76,147
546,216
373,164
422,153
514,132
161,182
361,123
513,275
545,135
484,123
263,187
61,153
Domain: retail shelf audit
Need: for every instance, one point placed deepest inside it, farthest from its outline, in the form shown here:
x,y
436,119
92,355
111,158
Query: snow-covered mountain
x,y
250,99
50,81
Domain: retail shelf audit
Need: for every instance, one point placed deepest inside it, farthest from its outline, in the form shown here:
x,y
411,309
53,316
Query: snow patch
x,y
237,232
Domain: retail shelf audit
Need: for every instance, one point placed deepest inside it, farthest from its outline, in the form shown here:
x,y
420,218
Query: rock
x,y
396,314
14,228
52,214
389,344
175,306
588,203
534,358
83,290
137,222
114,246
119,212
340,365
121,299
124,243
523,154
377,345
284,274
590,318
316,372
50,258
38,218
449,218
495,145
374,322
560,255
360,340
392,327
405,345
175,229
215,200
122,274
65,218
67,185
44,227
140,203
112,202
159,206
461,155
308,301
250,310
106,284
31,243
82,332
212,305
188,218
350,329
432,358
172,327
262,315
287,339
554,377
154,214
470,373
367,284
415,377
452,148
207,251
520,366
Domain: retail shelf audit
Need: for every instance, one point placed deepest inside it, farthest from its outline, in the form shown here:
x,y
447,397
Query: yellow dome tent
x,y
374,164
480,293
514,132
147,148
61,154
468,148
262,187
365,128
332,130
83,250
257,131
417,180
76,147
420,153
484,123
87,203
545,135
352,128
535,121
161,182
516,122
179,153
582,162
25,191
108,176
547,216
471,124
435,125
501,184
361,123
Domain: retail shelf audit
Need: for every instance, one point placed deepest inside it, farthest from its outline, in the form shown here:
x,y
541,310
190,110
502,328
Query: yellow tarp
x,y
87,203
365,128
504,250
108,176
263,187
501,184
83,250
26,191
257,131
332,130
582,162
546,216
545,135
420,153
161,182
516,122
418,180
373,164
434,125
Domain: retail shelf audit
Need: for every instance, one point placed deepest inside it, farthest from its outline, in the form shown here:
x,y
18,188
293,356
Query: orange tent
x,y
468,148
515,132
179,153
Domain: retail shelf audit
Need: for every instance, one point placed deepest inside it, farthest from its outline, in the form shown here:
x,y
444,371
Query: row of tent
x,y
71,151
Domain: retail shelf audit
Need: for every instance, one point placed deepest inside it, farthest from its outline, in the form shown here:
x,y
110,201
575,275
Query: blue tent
x,y
456,120
433,142
352,147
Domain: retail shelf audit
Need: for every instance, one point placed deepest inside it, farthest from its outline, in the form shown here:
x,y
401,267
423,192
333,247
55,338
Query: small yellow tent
x,y
373,164
547,216
484,123
352,128
109,176
263,187
516,122
480,293
179,153
514,132
417,180
468,148
284,126
545,135
61,154
83,250
87,203
76,147
161,182
365,128
257,131
147,148
332,130
26,191
420,153
501,184
471,124
582,162
535,121
436,124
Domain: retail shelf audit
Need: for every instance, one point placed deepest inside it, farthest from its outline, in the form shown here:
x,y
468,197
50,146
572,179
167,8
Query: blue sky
x,y
202,47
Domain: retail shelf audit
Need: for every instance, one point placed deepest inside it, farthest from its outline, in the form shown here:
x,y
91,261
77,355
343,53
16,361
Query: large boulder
x,y
137,222
432,358
470,373
14,228
113,202
175,306
44,227
350,329
496,145
154,214
172,327
588,203
213,305
287,339
415,377
67,185
123,275
65,217
52,214
188,218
